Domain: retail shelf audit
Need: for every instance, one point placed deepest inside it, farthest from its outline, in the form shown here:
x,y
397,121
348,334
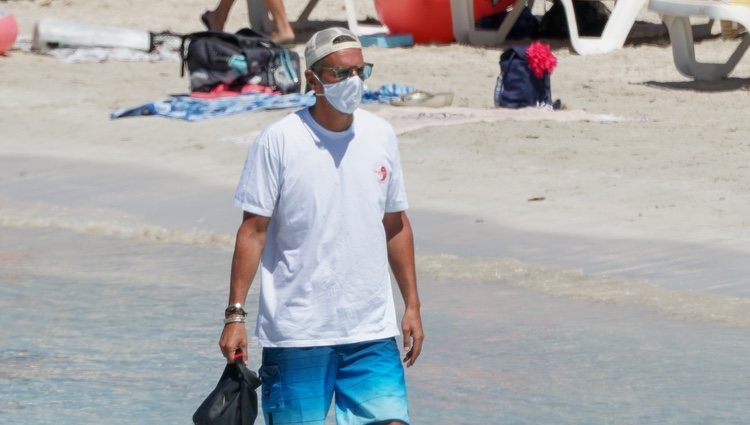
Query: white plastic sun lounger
x,y
464,31
676,16
613,37
615,33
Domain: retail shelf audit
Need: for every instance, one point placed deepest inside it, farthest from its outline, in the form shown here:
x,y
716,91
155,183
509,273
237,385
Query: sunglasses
x,y
363,71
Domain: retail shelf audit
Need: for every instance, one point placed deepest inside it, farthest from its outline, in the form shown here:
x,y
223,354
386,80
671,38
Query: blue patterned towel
x,y
386,93
193,109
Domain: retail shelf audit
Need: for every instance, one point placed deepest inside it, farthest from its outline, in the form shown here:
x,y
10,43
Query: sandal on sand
x,y
421,98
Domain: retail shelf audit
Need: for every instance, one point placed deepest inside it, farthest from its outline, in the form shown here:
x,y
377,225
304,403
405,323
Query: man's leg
x,y
297,384
370,386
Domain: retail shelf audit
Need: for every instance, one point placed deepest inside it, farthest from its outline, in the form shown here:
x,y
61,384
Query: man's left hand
x,y
411,327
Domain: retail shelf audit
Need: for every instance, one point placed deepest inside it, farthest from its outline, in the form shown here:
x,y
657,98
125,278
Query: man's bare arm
x,y
248,246
400,242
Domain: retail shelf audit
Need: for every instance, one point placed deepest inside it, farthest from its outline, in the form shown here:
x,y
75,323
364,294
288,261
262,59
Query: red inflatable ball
x,y
8,31
428,21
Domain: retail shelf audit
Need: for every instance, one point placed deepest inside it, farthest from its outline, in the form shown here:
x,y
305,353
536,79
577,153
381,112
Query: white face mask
x,y
345,95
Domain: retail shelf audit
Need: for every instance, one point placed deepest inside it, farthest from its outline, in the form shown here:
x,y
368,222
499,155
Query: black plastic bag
x,y
233,401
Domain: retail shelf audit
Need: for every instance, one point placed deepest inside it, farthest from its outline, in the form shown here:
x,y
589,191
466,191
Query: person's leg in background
x,y
215,19
283,32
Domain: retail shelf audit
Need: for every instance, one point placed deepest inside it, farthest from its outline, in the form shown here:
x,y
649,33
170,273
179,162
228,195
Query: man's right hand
x,y
234,340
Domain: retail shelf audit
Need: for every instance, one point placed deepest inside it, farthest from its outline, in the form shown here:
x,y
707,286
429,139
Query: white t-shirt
x,y
324,269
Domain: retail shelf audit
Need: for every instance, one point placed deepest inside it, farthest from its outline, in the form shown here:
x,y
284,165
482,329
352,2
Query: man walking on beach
x,y
324,214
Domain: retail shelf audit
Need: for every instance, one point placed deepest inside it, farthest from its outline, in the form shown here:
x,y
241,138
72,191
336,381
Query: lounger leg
x,y
615,32
683,50
509,21
683,44
304,17
464,31
460,20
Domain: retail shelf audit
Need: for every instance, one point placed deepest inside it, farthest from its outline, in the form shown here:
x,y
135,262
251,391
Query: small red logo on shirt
x,y
382,173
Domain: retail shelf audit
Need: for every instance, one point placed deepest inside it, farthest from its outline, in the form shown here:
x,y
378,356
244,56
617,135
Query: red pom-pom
x,y
540,58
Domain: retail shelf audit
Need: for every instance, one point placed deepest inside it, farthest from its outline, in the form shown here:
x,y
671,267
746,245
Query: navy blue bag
x,y
517,86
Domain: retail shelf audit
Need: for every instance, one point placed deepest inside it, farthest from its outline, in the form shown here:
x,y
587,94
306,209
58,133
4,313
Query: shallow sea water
x,y
118,330
113,280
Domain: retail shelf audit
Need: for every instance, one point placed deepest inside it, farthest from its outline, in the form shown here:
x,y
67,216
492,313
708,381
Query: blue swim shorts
x,y
367,379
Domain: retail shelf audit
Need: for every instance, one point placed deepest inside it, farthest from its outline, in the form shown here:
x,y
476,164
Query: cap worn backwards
x,y
328,41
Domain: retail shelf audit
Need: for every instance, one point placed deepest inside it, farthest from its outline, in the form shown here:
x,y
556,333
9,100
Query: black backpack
x,y
237,59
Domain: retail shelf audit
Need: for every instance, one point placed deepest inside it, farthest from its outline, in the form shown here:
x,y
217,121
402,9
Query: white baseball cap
x,y
327,41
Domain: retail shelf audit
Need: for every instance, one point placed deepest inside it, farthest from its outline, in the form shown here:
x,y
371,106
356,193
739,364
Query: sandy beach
x,y
675,171
640,218
672,169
